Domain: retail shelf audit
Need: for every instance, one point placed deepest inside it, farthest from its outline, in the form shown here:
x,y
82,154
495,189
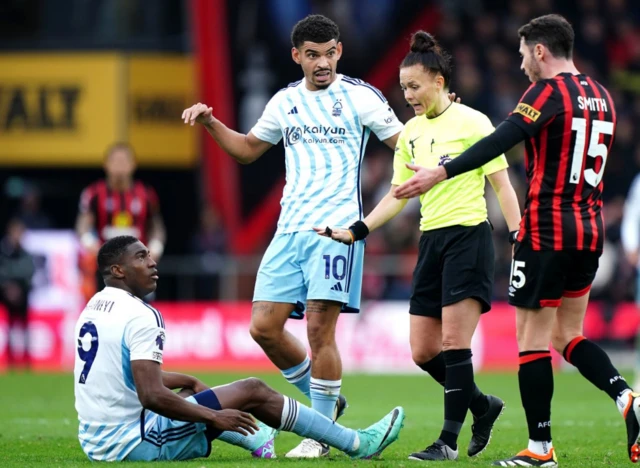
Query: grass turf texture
x,y
38,425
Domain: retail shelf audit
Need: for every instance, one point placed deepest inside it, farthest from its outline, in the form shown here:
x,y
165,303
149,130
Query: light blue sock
x,y
308,423
247,442
299,376
324,394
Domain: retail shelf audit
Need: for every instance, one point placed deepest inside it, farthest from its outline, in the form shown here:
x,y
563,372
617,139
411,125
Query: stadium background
x,y
76,76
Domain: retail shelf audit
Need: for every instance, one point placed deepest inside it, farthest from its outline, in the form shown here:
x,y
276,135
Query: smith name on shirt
x,y
593,104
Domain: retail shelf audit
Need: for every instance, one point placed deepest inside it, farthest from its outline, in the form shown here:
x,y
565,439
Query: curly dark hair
x,y
553,31
314,28
109,254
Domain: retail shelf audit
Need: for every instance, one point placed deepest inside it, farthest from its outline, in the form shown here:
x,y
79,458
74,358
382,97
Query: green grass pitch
x,y
38,425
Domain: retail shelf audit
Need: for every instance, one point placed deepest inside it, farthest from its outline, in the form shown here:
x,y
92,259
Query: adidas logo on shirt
x,y
337,287
293,111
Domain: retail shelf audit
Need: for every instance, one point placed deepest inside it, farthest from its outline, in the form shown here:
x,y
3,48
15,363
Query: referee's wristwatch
x,y
513,237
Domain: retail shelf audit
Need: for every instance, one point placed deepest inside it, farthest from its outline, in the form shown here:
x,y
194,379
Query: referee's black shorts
x,y
454,263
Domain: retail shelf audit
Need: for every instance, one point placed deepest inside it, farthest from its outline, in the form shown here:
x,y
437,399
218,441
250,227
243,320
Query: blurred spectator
x,y
614,275
211,237
118,205
631,243
483,37
210,243
16,271
30,211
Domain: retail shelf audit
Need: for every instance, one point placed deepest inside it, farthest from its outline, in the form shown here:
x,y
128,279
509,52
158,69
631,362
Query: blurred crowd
x,y
482,38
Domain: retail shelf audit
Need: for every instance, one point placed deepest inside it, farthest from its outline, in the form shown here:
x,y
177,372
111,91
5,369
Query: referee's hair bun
x,y
423,42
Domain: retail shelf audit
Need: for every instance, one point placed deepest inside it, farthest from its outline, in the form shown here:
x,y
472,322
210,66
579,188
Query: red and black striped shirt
x,y
570,120
120,213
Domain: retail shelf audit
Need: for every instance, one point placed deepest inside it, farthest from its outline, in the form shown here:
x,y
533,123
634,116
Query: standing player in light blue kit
x,y
325,120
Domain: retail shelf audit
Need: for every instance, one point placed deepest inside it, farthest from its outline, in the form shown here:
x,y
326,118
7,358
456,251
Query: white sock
x,y
623,400
540,447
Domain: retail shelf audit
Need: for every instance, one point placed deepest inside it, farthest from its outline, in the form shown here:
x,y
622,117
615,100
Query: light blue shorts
x,y
304,266
177,440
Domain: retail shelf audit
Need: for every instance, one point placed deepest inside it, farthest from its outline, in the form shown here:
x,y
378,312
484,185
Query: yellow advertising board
x,y
66,109
59,109
159,89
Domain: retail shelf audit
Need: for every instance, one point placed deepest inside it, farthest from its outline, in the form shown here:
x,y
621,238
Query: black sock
x,y
436,368
594,364
457,394
536,390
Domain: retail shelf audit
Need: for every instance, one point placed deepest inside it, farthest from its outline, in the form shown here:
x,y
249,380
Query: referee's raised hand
x,y
198,113
337,234
422,181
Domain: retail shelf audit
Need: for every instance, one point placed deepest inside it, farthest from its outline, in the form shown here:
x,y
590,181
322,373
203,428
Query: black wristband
x,y
513,237
359,230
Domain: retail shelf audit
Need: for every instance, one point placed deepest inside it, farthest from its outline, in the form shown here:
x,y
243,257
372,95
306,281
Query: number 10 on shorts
x,y
338,266
517,275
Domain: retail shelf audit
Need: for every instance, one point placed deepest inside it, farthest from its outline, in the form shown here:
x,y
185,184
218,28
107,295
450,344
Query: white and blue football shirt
x,y
114,329
325,133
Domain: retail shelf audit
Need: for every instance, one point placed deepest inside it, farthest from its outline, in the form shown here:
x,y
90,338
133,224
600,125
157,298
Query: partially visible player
x,y
119,205
325,120
630,236
453,279
125,405
567,121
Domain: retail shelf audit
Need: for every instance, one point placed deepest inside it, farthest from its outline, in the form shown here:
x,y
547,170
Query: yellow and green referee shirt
x,y
434,142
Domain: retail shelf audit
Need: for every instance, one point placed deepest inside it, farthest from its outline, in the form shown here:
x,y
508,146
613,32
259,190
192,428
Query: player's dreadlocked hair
x,y
427,52
111,251
314,28
553,31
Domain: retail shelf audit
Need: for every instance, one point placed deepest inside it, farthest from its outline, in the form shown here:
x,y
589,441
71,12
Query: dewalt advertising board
x,y
66,109
58,109
159,89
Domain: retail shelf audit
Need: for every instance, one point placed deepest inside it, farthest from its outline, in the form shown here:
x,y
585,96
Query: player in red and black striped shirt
x,y
567,121
120,205
564,169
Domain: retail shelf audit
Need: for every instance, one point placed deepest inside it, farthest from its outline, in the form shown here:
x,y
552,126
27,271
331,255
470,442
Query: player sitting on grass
x,y
126,409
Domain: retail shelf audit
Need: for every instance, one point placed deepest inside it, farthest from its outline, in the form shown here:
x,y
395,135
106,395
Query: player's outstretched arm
x,y
155,396
243,148
385,210
506,197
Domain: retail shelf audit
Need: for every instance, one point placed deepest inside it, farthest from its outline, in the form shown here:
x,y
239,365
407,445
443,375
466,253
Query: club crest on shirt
x,y
136,206
109,204
337,109
444,159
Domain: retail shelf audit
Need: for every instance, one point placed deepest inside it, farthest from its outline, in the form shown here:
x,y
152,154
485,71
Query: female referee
x,y
453,279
